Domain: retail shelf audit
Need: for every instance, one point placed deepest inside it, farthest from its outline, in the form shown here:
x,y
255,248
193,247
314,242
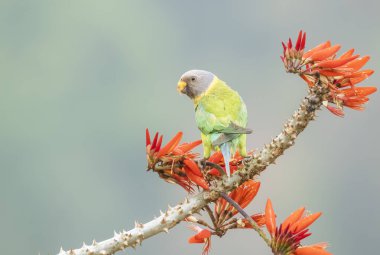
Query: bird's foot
x,y
203,163
247,159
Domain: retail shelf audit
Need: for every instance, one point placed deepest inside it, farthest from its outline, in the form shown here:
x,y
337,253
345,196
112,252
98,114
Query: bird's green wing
x,y
236,129
208,122
222,138
222,111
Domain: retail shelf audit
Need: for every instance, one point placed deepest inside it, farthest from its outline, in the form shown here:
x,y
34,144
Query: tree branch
x,y
253,166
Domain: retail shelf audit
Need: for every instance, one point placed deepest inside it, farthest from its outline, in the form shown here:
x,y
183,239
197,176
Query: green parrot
x,y
220,114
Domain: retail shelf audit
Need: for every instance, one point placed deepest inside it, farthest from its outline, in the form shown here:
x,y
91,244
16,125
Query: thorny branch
x,y
253,167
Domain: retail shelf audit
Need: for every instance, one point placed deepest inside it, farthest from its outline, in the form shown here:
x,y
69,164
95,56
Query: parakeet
x,y
220,113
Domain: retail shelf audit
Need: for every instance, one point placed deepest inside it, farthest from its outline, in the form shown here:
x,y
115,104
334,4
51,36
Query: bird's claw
x,y
203,163
247,159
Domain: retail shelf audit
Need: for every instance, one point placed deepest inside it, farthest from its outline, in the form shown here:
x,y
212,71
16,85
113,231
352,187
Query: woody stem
x,y
207,208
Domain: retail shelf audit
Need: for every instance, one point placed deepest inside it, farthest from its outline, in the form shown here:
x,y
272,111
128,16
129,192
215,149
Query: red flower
x,y
286,239
173,162
341,74
243,195
153,149
194,173
321,54
223,212
353,98
314,249
259,218
202,236
292,57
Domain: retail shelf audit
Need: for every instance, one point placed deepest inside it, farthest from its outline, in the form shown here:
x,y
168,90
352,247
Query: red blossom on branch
x,y
314,249
223,212
202,236
340,74
176,163
286,238
243,195
259,218
173,162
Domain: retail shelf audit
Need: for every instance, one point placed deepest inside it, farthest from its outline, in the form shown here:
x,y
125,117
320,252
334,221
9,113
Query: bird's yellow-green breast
x,y
218,106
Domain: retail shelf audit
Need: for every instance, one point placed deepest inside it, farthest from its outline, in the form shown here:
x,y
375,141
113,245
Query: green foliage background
x,y
80,81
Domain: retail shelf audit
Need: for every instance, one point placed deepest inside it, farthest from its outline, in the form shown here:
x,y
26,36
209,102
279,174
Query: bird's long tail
x,y
225,149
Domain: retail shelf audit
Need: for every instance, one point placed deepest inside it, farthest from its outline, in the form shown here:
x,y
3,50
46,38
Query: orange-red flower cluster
x,y
243,195
286,238
173,162
176,163
342,74
223,213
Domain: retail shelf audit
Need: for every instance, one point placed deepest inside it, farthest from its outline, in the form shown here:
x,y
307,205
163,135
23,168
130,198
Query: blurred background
x,y
81,80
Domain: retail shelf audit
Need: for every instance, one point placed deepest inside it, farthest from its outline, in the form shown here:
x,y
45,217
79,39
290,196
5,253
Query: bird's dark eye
x,y
193,78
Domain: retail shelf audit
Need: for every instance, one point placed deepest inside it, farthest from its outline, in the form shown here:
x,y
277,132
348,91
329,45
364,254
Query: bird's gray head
x,y
195,82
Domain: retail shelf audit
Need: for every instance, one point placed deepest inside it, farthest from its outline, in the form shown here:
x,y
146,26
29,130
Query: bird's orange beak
x,y
181,86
